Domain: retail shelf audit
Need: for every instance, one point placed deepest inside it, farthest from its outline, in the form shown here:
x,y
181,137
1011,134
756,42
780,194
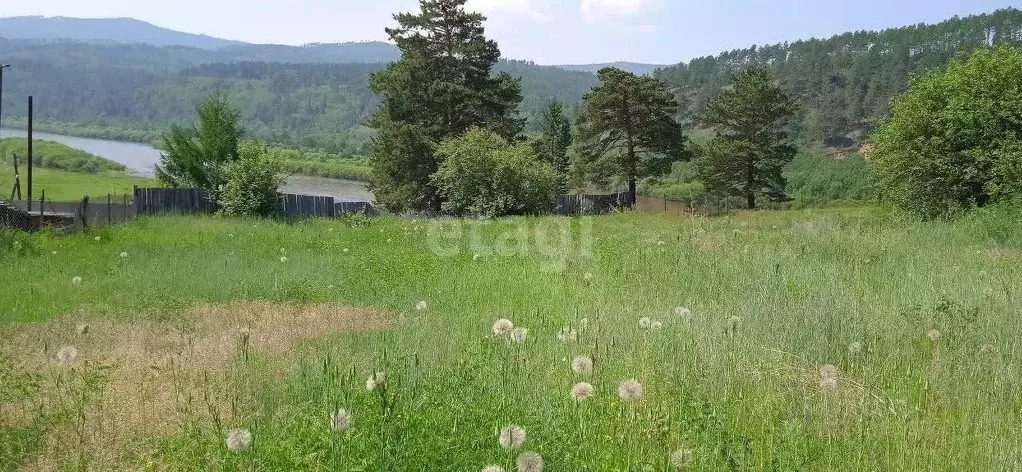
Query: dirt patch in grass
x,y
157,371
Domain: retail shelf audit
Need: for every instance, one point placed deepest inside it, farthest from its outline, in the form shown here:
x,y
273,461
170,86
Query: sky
x,y
544,31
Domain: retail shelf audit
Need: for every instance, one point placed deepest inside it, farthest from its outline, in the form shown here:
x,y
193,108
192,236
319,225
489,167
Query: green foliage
x,y
627,130
482,174
441,88
953,142
252,182
53,155
747,156
554,141
817,178
197,156
846,82
681,185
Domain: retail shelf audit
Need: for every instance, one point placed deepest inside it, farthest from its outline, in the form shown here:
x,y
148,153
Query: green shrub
x,y
953,141
251,182
482,174
816,178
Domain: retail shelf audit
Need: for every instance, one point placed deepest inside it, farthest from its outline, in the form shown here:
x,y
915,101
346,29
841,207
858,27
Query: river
x,y
140,158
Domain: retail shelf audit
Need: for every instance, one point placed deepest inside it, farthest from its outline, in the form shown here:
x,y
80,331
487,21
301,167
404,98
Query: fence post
x,y
124,209
42,200
109,210
665,203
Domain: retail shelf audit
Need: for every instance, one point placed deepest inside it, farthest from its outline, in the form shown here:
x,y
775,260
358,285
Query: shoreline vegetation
x,y
294,160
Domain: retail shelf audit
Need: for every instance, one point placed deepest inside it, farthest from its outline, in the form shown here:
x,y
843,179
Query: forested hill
x,y
847,81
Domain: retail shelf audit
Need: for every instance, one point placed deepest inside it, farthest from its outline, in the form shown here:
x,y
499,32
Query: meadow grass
x,y
774,296
66,186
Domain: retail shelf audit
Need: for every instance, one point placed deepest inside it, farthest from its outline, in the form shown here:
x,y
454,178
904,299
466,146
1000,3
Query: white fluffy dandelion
x,y
519,334
630,390
582,364
283,258
503,327
645,322
340,420
376,380
493,468
582,391
77,280
854,348
588,276
934,335
828,384
476,257
529,462
682,312
567,335
82,329
681,458
828,371
97,238
124,255
346,250
583,323
239,440
421,305
67,354
511,437
656,326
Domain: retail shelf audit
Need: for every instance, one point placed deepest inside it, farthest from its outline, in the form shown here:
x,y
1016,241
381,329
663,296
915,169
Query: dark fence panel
x,y
306,205
17,218
584,205
365,208
152,201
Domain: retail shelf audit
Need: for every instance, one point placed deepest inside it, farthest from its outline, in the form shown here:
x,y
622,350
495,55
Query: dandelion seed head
x,y
656,326
828,384
588,276
583,323
567,335
511,437
828,371
660,243
681,458
77,280
519,334
124,255
346,250
283,258
630,390
493,468
421,305
855,348
376,380
54,253
682,312
503,327
340,420
239,440
934,335
476,257
988,350
645,322
82,329
582,364
67,354
97,238
582,391
529,462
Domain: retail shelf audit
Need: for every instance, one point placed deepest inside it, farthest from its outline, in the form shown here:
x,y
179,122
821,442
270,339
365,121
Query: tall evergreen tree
x,y
441,87
751,147
555,140
627,129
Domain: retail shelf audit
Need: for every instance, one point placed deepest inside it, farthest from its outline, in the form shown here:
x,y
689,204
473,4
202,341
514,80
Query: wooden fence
x,y
585,205
149,201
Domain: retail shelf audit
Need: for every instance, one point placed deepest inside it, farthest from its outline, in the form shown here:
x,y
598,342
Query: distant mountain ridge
x,y
633,67
105,30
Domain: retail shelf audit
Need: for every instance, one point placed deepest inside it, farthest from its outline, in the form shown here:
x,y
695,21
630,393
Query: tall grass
x,y
773,295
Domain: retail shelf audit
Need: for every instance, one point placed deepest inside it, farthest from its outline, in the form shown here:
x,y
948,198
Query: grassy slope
x,y
805,284
62,185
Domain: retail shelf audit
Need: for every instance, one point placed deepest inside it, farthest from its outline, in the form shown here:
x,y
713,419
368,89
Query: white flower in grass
x,y
682,312
239,440
582,391
124,255
630,390
656,326
493,468
828,371
283,258
503,327
855,347
583,323
67,354
340,420
376,380
588,276
582,364
567,335
421,306
681,458
519,334
511,437
389,240
346,250
645,322
987,350
54,253
828,384
97,238
934,335
476,257
77,280
660,243
529,462
82,329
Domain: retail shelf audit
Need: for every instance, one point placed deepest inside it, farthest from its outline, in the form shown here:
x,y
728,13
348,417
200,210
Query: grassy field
x,y
62,185
842,339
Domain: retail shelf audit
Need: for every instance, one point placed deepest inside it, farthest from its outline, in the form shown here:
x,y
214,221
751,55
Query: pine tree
x,y
555,141
627,129
751,148
441,87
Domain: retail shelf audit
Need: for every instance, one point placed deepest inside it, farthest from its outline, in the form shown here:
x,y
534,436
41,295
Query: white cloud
x,y
597,10
519,7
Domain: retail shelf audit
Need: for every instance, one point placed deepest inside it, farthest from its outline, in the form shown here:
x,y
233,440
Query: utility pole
x,y
29,153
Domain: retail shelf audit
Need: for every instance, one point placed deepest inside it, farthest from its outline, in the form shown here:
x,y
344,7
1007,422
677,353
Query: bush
x,y
816,178
482,174
251,182
952,141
